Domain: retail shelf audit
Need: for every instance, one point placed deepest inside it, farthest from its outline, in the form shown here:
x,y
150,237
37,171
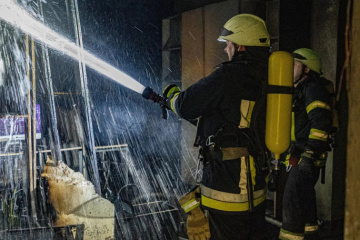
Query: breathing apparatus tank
x,y
278,111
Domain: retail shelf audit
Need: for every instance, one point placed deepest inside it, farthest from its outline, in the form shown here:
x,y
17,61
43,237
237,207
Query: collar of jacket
x,y
302,86
305,82
238,59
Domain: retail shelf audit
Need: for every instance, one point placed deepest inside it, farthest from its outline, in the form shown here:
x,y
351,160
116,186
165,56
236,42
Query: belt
x,y
231,153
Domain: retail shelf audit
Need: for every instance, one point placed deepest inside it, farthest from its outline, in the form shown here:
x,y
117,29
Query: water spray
x,y
18,17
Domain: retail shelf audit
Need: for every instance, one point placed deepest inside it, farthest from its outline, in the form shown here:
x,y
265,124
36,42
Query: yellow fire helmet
x,y
309,58
246,29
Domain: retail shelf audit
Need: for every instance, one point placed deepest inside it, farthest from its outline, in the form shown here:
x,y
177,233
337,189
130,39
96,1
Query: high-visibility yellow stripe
x,y
317,104
243,178
246,108
293,127
172,90
190,205
173,101
318,134
252,104
229,206
286,235
311,228
229,197
253,171
243,174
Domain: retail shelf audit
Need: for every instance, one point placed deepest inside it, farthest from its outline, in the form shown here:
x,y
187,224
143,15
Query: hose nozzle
x,y
150,94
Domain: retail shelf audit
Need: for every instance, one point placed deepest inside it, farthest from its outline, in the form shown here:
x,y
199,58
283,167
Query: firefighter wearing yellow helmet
x,y
247,30
232,189
309,58
311,124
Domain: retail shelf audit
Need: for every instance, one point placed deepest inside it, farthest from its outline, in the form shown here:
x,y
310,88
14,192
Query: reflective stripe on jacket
x,y
226,197
229,202
286,235
311,117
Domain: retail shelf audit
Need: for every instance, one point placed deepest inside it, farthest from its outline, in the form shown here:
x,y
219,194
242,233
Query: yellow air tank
x,y
279,102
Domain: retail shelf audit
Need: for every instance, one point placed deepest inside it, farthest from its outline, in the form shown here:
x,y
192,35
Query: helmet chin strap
x,y
237,52
302,76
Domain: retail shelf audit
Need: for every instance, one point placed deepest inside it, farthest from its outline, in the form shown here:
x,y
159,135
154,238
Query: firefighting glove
x,y
197,223
169,93
170,90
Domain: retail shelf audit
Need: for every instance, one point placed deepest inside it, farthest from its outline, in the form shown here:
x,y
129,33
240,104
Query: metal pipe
x,y
147,214
34,126
273,221
30,150
66,149
84,172
90,143
15,116
61,149
11,154
31,179
81,163
111,146
147,203
27,49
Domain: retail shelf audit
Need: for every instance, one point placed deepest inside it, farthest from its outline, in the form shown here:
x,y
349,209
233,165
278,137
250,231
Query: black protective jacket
x,y
312,116
217,97
216,100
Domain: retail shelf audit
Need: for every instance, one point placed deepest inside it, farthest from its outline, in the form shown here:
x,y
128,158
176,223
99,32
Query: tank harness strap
x,y
246,108
279,89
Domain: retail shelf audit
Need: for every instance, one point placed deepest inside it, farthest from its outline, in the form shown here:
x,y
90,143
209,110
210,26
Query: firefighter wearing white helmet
x,y
232,189
312,122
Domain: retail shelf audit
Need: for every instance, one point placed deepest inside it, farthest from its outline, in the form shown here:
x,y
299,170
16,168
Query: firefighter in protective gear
x,y
311,123
232,186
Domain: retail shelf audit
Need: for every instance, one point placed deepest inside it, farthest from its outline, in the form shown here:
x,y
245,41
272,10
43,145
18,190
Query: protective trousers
x,y
245,226
299,202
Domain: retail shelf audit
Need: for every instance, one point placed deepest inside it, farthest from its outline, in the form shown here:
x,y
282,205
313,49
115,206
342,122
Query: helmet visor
x,y
224,33
298,56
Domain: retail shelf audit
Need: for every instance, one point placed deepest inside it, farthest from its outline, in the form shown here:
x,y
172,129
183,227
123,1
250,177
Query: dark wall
x,y
186,5
294,27
340,156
